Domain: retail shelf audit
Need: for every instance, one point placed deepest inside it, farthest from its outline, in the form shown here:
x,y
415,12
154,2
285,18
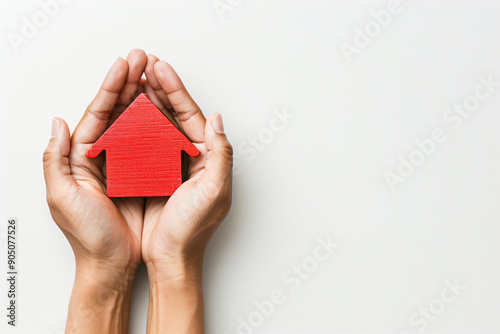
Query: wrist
x,y
177,272
97,305
94,273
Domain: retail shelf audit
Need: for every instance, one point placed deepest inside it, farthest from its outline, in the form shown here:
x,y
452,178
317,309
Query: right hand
x,y
105,234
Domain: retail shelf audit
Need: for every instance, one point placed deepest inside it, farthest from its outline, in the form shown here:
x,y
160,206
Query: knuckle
x,y
101,115
47,155
47,159
228,149
226,152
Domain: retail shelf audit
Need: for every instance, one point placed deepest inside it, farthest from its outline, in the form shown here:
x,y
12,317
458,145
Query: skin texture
x,y
110,237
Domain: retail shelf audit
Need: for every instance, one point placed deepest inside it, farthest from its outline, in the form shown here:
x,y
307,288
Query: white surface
x,y
322,175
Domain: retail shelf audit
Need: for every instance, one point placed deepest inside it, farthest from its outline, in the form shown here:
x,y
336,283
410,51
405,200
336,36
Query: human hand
x,y
178,229
105,234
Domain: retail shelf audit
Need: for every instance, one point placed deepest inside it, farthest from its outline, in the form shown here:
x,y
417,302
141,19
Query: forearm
x,y
175,300
99,305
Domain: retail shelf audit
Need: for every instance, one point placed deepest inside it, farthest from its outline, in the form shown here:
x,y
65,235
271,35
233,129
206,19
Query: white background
x,y
322,175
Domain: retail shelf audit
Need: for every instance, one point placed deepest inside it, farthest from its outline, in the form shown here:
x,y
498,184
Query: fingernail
x,y
217,124
55,128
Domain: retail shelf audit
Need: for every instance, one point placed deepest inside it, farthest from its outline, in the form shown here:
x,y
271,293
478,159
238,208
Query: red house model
x,y
143,152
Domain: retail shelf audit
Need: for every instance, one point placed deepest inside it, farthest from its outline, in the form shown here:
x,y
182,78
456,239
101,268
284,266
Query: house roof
x,y
142,123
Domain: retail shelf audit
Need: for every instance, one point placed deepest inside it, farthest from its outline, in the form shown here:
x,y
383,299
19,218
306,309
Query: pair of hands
x,y
111,237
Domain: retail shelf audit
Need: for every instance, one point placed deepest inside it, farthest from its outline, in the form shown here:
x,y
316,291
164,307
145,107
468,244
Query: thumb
x,y
56,170
219,164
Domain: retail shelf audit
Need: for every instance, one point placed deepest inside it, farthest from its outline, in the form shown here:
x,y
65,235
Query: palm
x,y
113,222
172,220
169,220
111,226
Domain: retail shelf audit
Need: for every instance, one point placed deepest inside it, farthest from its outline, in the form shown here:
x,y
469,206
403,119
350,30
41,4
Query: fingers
x,y
219,164
155,84
189,114
57,173
151,94
155,92
96,117
137,60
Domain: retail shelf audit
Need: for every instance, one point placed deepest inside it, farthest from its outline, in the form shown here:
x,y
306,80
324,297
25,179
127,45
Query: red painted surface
x,y
143,152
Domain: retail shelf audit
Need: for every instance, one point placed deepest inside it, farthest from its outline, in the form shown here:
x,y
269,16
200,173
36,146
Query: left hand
x,y
177,229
